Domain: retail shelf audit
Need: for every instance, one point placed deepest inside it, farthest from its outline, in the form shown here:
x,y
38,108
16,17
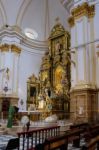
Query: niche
x,y
32,90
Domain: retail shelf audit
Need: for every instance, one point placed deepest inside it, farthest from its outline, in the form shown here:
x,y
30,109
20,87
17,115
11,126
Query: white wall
x,y
29,64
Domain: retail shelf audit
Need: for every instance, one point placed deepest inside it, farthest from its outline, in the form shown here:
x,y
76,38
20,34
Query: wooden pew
x,y
91,132
93,144
79,125
38,136
74,136
54,143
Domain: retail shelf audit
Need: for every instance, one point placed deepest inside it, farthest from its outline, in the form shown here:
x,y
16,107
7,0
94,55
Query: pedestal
x,y
87,99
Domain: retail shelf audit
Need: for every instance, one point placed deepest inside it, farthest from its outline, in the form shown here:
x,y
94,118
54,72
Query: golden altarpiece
x,y
50,92
54,73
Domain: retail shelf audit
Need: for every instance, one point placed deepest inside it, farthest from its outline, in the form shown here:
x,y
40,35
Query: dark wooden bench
x,y
54,143
93,144
74,136
79,125
91,132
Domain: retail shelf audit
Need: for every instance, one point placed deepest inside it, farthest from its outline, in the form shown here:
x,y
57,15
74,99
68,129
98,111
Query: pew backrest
x,y
59,142
93,144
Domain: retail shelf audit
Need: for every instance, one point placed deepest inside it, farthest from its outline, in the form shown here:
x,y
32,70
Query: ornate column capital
x,y
81,10
6,48
15,48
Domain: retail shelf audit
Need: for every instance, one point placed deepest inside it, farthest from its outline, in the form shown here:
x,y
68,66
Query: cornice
x,y
71,4
16,32
81,10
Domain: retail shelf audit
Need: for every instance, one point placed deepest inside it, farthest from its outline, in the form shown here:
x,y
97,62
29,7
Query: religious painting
x,y
58,78
32,90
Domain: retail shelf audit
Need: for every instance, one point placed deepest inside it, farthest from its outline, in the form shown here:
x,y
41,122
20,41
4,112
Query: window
x,y
30,33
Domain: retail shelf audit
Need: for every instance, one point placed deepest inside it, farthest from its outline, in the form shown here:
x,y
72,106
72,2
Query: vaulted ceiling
x,y
38,15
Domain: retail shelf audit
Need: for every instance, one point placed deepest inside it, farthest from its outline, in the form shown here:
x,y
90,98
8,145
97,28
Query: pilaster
x,y
84,92
9,77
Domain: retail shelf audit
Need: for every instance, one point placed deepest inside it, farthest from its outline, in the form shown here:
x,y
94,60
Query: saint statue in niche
x,y
58,79
58,47
81,110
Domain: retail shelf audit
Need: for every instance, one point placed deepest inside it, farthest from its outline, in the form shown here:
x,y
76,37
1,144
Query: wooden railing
x,y
30,139
61,141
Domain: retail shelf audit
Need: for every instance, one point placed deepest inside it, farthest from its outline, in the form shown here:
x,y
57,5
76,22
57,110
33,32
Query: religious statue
x,y
58,47
11,115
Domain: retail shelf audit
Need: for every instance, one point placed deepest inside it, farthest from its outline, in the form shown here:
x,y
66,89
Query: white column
x,y
15,73
82,31
9,58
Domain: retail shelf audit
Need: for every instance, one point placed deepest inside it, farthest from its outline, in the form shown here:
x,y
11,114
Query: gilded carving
x,y
57,30
71,21
4,47
15,48
7,48
55,72
81,10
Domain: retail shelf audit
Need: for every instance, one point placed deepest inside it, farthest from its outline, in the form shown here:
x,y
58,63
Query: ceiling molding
x,y
67,4
15,32
21,11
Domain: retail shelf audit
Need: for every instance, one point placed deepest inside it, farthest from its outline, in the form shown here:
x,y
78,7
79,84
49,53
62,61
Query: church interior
x,y
49,82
